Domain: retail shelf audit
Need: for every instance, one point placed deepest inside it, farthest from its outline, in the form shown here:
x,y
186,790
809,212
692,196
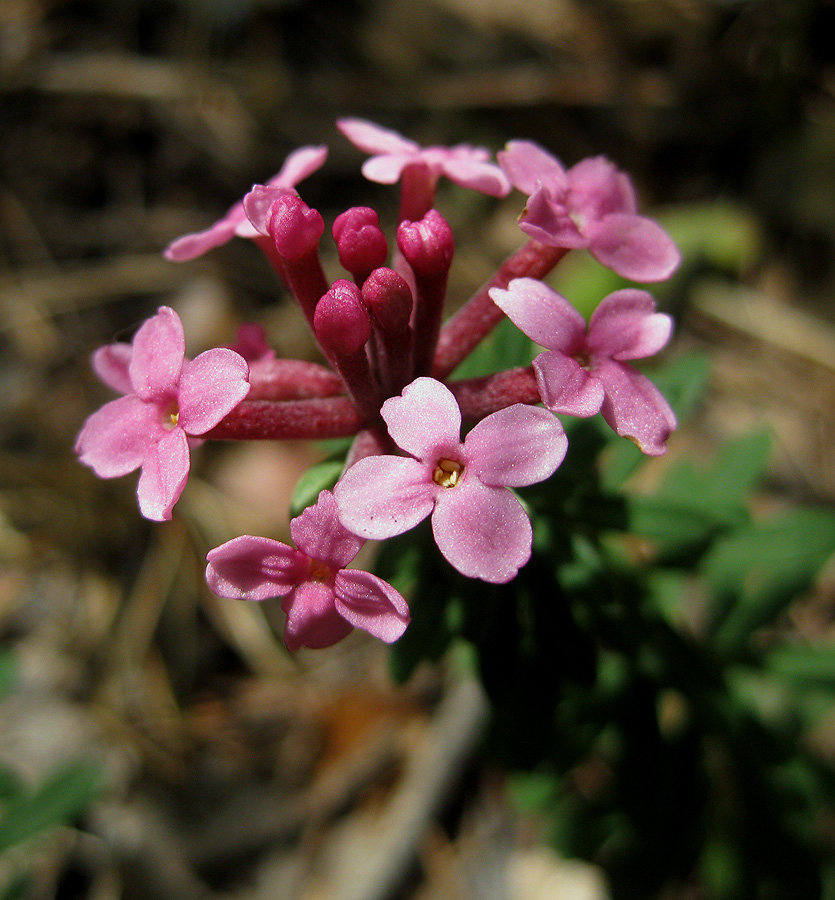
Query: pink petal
x,y
470,171
635,408
375,139
212,385
565,386
158,353
545,316
633,246
372,604
424,420
255,568
598,188
115,439
625,325
320,534
387,169
111,364
516,446
547,219
526,163
482,531
164,475
300,164
258,205
190,246
312,617
381,496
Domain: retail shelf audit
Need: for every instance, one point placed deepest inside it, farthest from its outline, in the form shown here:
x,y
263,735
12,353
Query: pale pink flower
x,y
168,401
323,599
391,153
582,372
478,524
299,165
592,206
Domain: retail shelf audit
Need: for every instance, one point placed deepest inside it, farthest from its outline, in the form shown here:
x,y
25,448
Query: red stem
x,y
478,397
315,419
479,315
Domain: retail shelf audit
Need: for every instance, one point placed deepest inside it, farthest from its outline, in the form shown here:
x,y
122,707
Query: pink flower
x,y
298,166
585,373
322,599
593,206
391,153
168,400
479,525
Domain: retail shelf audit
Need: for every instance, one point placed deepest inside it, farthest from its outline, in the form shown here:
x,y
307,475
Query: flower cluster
x,y
388,355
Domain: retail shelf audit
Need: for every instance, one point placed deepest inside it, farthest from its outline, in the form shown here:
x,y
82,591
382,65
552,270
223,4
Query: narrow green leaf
x,y
758,570
323,476
804,665
8,671
61,797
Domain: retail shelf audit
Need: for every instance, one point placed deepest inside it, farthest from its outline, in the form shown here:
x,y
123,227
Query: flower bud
x,y
360,241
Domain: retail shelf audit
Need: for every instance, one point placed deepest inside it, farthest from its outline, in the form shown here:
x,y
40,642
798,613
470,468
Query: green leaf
x,y
323,476
61,797
692,506
8,672
726,236
11,785
756,571
805,665
17,887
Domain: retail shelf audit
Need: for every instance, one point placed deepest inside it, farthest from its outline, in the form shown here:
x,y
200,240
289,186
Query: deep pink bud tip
x,y
389,298
360,241
341,321
294,226
427,245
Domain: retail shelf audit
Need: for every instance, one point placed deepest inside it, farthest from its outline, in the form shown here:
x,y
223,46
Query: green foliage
x,y
645,701
56,800
27,811
322,476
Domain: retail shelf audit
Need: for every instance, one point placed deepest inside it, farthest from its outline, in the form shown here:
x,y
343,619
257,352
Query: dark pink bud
x,y
258,204
427,245
361,243
294,226
388,298
341,320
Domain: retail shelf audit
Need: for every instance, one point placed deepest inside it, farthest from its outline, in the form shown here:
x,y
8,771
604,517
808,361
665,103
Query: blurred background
x,y
156,742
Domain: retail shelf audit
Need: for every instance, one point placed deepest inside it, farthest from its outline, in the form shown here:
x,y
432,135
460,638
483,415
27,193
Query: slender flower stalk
x,y
462,333
294,229
343,327
428,247
388,299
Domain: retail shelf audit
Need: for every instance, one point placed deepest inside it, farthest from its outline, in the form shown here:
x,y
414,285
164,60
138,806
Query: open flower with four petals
x,y
391,153
584,372
299,165
168,400
478,523
592,205
323,600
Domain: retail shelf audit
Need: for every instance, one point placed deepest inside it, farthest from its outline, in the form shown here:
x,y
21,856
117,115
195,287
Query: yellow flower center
x,y
447,473
320,572
171,416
